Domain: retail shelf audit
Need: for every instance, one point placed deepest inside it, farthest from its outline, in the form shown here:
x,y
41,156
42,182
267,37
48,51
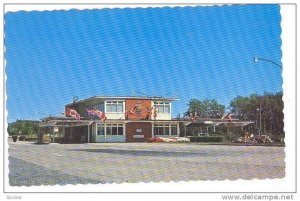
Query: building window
x,y
115,106
108,130
100,129
173,129
114,129
161,129
165,129
162,107
97,106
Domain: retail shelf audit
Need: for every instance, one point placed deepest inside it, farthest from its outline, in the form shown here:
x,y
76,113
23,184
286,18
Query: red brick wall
x,y
137,109
131,130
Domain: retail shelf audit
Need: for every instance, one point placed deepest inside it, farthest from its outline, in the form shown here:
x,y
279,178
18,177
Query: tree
x,y
268,105
194,105
208,108
12,130
24,127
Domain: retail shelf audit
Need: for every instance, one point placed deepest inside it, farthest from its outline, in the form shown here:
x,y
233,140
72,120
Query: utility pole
x,y
259,118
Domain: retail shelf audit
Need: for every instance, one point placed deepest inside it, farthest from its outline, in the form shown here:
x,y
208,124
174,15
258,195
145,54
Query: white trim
x,y
124,105
152,129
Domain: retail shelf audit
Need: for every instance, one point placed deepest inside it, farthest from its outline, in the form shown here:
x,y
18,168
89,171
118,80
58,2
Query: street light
x,y
256,59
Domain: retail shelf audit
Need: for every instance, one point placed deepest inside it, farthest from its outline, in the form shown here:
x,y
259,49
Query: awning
x,y
65,123
220,124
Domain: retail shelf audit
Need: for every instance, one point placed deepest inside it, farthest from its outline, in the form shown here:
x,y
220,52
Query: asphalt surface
x,y
51,164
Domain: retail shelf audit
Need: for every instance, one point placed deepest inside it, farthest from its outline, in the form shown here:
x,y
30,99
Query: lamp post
x,y
256,59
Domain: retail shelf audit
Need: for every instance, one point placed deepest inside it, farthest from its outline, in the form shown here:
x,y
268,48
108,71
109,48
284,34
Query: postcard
x,y
145,95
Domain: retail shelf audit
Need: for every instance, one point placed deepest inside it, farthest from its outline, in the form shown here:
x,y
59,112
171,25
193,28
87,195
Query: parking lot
x,y
51,164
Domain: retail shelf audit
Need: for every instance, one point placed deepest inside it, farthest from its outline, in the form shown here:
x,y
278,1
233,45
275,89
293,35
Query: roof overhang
x,y
63,121
220,124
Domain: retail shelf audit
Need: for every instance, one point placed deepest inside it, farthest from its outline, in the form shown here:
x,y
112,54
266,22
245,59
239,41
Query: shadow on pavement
x,y
143,152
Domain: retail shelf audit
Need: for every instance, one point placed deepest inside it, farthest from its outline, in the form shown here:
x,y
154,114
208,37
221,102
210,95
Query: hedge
x,y
206,138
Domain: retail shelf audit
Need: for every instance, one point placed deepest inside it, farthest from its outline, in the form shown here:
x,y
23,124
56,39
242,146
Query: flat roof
x,y
127,97
204,122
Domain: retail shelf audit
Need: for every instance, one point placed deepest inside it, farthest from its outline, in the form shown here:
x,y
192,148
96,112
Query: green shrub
x,y
206,139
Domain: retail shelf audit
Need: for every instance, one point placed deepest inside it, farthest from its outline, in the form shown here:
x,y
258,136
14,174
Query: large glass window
x,y
100,129
114,129
173,129
165,129
120,130
108,130
161,129
162,107
115,106
167,108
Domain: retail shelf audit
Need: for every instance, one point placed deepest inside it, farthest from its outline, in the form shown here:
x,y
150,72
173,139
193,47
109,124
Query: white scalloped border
x,y
63,7
154,186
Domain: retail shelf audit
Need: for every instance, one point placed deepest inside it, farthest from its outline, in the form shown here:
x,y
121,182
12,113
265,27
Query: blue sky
x,y
195,52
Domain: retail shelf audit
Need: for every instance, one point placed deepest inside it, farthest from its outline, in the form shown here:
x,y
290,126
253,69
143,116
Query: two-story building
x,y
125,119
116,119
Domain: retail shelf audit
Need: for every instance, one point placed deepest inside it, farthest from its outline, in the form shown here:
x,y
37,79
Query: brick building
x,y
126,119
115,119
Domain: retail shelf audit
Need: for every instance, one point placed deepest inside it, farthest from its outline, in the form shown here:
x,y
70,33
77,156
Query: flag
x,y
227,117
154,112
72,113
193,117
97,113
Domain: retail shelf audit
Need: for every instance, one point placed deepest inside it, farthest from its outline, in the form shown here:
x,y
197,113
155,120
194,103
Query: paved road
x,y
51,164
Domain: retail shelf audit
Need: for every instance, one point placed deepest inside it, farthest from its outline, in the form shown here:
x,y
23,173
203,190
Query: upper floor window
x,y
97,106
162,107
115,106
